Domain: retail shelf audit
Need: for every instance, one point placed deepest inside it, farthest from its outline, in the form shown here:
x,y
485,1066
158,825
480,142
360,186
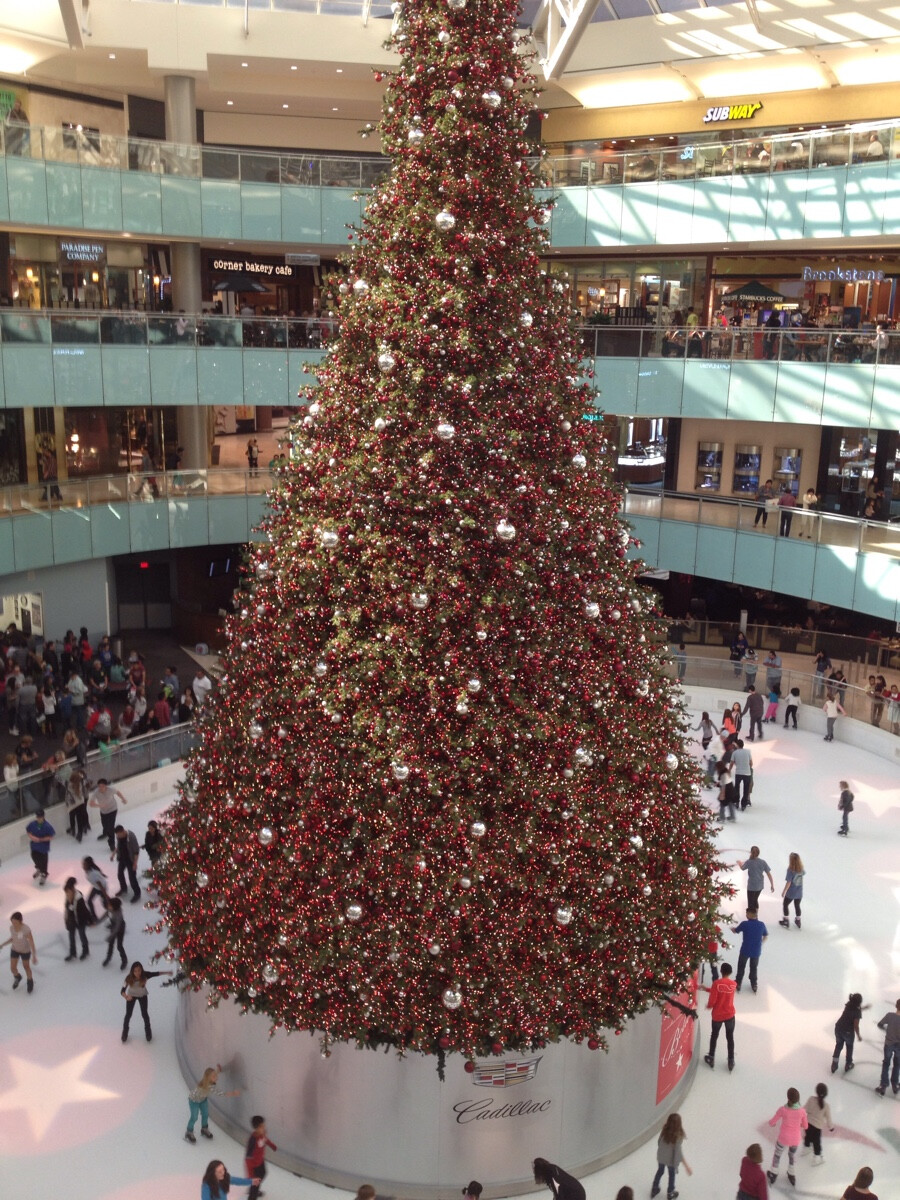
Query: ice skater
x,y
255,1155
756,869
792,890
115,937
216,1183
753,933
818,1113
198,1102
134,991
846,1031
890,1023
23,951
845,807
792,1121
669,1156
721,1001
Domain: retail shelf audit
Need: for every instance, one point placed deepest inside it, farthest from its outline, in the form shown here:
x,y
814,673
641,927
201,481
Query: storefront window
x,y
641,451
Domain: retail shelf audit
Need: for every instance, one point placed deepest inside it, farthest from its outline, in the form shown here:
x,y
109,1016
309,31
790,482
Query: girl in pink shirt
x,y
794,1122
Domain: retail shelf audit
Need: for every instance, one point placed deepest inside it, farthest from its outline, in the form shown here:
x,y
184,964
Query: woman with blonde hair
x,y
792,890
198,1099
668,1154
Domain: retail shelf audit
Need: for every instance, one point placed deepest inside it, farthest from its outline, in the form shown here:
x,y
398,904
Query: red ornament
x,y
593,1044
470,1067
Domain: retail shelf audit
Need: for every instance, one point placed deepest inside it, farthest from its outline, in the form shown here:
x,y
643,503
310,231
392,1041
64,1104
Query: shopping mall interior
x,y
176,187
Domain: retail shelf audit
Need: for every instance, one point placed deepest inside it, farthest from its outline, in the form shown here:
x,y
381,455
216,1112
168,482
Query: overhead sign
x,y
78,250
253,266
843,274
304,260
732,112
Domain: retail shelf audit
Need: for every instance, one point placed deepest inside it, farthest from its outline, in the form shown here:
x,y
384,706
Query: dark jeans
x,y
845,821
129,1009
786,906
729,1037
661,1168
813,1137
755,724
743,960
80,823
39,858
742,782
891,1051
108,824
784,525
790,714
257,1173
842,1041
761,514
753,900
116,939
95,891
85,948
127,868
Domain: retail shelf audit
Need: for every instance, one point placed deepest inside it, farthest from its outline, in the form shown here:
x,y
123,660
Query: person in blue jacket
x,y
753,933
40,831
217,1182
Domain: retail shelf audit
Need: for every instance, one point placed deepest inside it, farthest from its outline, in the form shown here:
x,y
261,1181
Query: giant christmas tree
x,y
441,800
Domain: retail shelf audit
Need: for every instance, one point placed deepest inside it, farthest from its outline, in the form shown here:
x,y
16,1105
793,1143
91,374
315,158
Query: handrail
x,y
120,327
838,148
860,535
857,702
115,761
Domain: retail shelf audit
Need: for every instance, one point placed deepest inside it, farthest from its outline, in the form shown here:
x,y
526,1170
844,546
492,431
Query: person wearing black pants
x,y
255,1155
135,991
721,1001
77,919
127,851
116,936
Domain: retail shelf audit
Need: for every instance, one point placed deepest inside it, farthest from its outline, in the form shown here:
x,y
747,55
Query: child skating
x,y
771,716
793,1122
198,1101
818,1114
845,808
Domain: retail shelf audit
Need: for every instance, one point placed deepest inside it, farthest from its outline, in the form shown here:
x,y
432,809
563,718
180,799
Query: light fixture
x,y
334,110
112,56
339,70
156,281
229,103
245,64
29,274
95,276
284,106
294,67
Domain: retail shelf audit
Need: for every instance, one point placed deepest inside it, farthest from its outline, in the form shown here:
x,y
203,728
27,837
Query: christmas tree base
x,y
369,1117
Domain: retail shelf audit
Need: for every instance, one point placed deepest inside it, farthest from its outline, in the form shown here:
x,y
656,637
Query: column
x,y
181,128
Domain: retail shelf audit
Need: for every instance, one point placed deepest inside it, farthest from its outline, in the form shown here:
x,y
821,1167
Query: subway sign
x,y
732,112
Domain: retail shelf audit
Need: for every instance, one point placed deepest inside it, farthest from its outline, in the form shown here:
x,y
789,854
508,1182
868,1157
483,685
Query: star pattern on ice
x,y
41,1092
880,800
788,1026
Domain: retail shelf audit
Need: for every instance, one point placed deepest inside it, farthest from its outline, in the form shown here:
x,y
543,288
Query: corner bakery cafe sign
x,y
265,269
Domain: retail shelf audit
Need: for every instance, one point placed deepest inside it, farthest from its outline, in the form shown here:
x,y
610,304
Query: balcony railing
x,y
115,762
135,487
69,327
753,156
824,529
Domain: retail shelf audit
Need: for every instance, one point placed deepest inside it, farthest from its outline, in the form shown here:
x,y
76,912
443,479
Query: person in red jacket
x,y
721,1001
255,1155
753,1184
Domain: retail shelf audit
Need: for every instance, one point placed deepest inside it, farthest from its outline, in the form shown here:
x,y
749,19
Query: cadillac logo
x,y
504,1074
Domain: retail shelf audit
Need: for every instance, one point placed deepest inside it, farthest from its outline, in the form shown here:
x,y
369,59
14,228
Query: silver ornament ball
x,y
452,998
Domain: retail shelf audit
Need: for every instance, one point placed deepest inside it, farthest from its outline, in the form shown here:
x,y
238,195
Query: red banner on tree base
x,y
676,1042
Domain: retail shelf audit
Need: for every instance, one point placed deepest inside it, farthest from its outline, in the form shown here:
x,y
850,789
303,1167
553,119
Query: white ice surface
x,y
86,1118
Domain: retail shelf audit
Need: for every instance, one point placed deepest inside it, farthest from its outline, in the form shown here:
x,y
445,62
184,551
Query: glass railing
x,y
132,487
850,652
853,145
859,535
857,702
28,327
74,327
738,343
114,761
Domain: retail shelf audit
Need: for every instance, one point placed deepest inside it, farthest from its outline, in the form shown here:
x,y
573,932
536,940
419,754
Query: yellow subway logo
x,y
732,112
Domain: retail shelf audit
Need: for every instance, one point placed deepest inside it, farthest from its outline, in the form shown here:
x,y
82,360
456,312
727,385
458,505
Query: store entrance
x,y
144,594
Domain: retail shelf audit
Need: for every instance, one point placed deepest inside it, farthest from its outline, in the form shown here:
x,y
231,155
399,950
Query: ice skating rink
x,y
84,1117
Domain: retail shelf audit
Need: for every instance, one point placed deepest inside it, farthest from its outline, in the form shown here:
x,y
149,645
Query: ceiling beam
x,y
74,20
557,29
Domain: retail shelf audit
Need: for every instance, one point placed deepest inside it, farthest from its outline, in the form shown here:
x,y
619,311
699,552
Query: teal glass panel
x,y
646,530
845,402
180,205
795,565
675,214
891,224
110,529
677,546
603,224
256,510
28,376
824,216
639,213
877,588
297,377
7,548
715,552
660,385
26,186
126,376
72,540
301,214
229,519
149,523
754,560
706,386
835,575
617,379
189,522
4,198
751,391
749,197
261,212
141,202
220,376
864,209
2,384
712,202
799,392
64,193
77,376
173,374
266,378
32,541
885,397
340,208
101,198
785,207
569,220
221,208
